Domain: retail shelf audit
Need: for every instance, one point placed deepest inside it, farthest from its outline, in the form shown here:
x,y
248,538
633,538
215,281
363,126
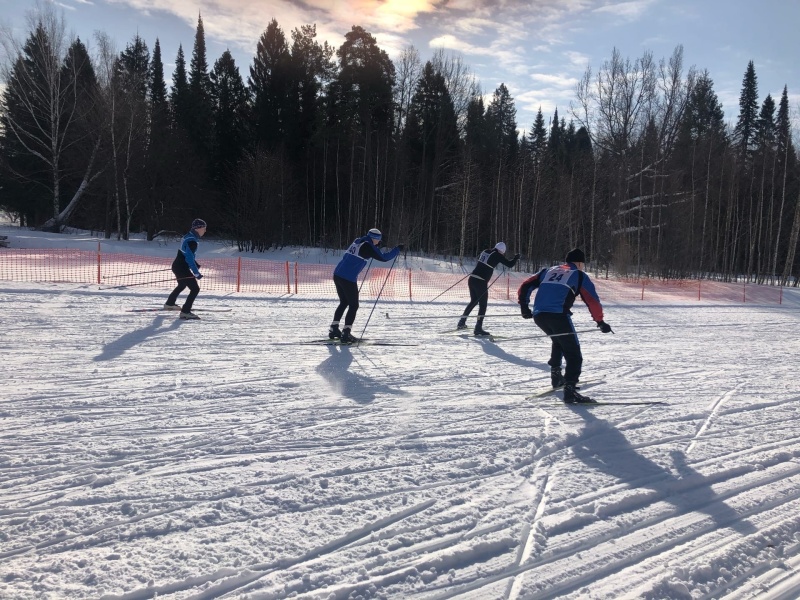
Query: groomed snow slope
x,y
145,457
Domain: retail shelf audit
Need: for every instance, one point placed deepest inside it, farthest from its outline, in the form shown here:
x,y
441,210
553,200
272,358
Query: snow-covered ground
x,y
143,457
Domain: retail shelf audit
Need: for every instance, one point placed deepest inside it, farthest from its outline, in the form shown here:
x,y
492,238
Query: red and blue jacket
x,y
557,289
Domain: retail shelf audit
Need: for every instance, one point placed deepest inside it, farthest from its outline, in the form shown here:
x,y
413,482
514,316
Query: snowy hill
x,y
145,457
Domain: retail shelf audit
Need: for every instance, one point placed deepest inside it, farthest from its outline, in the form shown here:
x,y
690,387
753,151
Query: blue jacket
x,y
557,288
355,259
187,253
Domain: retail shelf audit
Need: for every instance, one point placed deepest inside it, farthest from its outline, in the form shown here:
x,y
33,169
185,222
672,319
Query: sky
x,y
538,48
143,457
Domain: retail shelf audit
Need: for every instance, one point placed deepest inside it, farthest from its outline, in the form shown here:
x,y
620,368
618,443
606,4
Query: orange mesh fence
x,y
273,278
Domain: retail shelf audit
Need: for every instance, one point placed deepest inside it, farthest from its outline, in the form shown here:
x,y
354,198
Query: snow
x,y
144,457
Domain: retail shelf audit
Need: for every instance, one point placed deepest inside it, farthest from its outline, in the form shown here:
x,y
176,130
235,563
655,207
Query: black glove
x,y
604,327
517,256
199,276
401,247
526,312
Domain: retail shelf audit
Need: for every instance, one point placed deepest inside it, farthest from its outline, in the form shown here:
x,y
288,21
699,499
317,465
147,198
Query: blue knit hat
x,y
198,224
374,234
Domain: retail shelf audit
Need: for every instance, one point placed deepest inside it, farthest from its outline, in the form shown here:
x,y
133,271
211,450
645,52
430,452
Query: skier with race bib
x,y
557,287
479,284
345,277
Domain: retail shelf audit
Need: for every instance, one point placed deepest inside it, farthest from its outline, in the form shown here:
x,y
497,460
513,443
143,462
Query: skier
x,y
557,288
345,277
187,271
479,283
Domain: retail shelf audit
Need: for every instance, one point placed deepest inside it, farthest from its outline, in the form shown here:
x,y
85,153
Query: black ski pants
x,y
185,280
478,293
564,343
348,299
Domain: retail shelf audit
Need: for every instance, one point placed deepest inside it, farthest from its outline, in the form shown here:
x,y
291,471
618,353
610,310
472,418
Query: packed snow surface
x,y
142,456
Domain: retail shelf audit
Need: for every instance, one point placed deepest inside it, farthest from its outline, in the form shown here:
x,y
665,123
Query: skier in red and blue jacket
x,y
557,287
345,277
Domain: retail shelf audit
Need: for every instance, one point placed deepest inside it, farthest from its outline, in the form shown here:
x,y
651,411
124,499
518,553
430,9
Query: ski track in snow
x,y
144,457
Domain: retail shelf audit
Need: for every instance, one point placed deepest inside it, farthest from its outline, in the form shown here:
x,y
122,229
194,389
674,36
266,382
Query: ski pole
x,y
127,285
450,288
415,317
369,266
376,300
540,335
139,273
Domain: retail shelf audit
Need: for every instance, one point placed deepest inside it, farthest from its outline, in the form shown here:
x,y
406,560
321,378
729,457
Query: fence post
x,y
288,281
508,286
699,284
642,290
98,263
409,284
780,295
295,278
744,293
239,275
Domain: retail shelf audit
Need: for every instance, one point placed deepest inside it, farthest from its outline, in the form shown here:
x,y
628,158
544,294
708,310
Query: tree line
x,y
318,144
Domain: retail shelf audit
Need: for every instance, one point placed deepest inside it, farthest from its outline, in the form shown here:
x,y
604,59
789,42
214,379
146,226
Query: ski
x,y
464,335
162,309
367,342
552,390
612,403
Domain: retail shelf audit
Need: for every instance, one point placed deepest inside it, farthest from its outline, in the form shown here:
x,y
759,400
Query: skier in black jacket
x,y
479,283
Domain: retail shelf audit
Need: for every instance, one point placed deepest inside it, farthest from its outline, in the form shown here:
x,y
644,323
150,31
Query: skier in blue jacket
x,y
345,277
557,289
187,271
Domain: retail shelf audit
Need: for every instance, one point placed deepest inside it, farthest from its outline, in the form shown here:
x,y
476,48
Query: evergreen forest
x,y
313,145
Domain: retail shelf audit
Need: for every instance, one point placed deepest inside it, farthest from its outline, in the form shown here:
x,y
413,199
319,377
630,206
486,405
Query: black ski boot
x,y
480,332
571,396
462,324
348,338
334,333
556,378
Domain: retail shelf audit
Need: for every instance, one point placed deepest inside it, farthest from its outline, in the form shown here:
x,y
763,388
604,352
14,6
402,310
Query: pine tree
x,y
269,84
179,95
200,112
537,139
765,124
230,100
159,164
159,106
744,132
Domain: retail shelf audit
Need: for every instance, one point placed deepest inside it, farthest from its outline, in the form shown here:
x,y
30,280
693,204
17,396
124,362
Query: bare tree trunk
x,y
793,237
780,213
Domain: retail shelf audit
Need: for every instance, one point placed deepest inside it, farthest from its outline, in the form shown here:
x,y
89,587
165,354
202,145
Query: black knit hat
x,y
198,224
576,256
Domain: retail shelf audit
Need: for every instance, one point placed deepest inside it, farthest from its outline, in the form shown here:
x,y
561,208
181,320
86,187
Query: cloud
x,y
557,81
577,59
626,10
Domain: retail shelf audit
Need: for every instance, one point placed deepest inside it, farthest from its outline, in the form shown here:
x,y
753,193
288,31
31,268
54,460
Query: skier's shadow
x,y
493,349
335,370
601,446
118,347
